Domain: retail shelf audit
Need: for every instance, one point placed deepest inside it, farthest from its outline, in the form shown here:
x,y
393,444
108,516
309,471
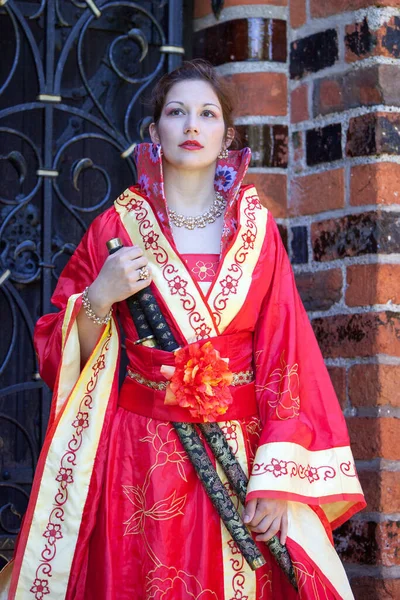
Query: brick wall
x,y
344,211
318,86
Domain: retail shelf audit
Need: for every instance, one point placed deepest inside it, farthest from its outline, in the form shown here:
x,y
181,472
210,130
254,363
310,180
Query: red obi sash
x,y
143,400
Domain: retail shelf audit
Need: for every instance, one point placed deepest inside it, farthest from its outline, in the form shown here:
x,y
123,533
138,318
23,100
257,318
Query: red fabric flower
x,y
199,381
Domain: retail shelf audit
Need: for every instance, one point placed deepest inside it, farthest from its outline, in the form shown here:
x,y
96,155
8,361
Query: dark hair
x,y
196,69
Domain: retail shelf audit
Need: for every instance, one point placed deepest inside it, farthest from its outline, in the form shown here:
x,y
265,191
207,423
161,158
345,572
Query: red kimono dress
x,y
116,509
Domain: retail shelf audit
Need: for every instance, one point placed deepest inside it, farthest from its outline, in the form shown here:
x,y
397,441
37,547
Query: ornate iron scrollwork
x,y
73,81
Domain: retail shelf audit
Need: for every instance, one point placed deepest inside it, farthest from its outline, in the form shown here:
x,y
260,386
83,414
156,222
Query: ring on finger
x,y
144,273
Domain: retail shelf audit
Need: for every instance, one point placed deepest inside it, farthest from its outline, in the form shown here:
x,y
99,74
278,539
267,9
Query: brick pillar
x,y
248,45
344,231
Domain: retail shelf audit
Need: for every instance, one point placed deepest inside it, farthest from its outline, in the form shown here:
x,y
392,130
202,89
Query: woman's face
x,y
191,129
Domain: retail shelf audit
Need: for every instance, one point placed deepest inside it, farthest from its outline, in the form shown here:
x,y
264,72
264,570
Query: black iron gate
x,y
73,78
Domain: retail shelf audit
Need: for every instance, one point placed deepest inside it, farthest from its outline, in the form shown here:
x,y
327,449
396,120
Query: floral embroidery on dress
x,y
134,204
202,332
178,286
229,285
278,467
53,532
144,184
81,422
248,240
204,270
229,430
283,384
224,178
169,583
65,476
304,575
164,509
253,428
154,152
151,241
40,588
158,191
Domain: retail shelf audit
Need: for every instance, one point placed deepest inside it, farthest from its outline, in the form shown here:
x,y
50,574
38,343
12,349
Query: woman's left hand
x,y
267,516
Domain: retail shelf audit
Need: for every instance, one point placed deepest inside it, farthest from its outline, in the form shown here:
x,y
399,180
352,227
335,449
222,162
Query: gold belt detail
x,y
239,378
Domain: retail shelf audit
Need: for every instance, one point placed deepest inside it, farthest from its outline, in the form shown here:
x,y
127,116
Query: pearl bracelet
x,y
90,312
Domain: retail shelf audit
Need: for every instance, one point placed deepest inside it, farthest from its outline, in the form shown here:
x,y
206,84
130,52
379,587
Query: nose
x,y
191,125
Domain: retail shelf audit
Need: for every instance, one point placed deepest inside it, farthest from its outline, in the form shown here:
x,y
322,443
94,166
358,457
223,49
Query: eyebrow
x,y
182,103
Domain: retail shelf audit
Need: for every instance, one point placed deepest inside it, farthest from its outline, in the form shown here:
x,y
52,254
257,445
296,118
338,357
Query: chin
x,y
191,161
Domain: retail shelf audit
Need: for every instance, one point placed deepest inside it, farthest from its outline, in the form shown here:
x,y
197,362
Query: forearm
x,y
88,330
119,278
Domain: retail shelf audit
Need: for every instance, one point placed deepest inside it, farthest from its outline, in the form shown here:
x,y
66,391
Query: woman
x,y
116,509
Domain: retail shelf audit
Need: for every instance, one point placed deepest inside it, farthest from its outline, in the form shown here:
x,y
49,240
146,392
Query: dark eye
x,y
175,111
208,113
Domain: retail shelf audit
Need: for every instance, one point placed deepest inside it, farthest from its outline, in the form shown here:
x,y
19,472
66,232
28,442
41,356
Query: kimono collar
x,y
229,175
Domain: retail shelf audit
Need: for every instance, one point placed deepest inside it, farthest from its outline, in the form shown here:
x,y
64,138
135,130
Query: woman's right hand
x,y
118,279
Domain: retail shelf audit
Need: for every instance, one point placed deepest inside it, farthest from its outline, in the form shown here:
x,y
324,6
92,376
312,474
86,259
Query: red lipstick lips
x,y
191,145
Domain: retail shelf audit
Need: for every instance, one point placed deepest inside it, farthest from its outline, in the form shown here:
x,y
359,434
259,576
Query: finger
x,y
262,511
271,531
142,283
139,274
139,284
284,528
139,263
130,252
263,525
249,510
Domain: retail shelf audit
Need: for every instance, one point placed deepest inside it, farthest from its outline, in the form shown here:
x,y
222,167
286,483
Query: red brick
x,y
365,334
381,489
368,542
374,437
272,189
298,14
369,86
321,8
388,538
338,378
299,104
376,183
373,133
298,150
203,7
373,284
374,385
356,542
316,193
368,588
260,93
363,42
330,96
320,290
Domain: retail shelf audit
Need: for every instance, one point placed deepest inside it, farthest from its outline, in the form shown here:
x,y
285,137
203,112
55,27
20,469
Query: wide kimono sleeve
x,y
56,334
68,479
304,454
